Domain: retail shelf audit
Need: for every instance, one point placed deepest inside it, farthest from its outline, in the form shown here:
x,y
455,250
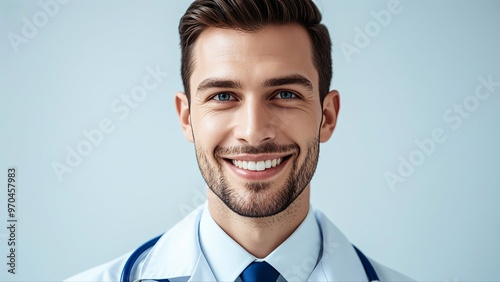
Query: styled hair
x,y
250,16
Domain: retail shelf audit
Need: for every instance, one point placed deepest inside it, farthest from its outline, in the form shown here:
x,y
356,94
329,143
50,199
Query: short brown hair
x,y
253,15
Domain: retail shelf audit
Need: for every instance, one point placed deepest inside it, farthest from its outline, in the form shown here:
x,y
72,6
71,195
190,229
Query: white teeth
x,y
268,163
251,165
257,166
260,166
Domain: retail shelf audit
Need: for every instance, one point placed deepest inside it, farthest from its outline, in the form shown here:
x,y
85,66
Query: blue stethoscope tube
x,y
127,269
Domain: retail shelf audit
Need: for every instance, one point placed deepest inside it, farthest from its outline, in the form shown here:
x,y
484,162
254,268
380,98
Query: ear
x,y
182,107
331,107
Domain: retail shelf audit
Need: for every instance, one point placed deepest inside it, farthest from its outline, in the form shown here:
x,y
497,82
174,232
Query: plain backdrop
x,y
400,79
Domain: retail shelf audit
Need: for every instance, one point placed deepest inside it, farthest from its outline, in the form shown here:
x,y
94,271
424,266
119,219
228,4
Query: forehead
x,y
252,57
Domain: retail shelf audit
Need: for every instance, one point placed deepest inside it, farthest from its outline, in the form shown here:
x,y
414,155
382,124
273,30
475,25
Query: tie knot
x,y
259,272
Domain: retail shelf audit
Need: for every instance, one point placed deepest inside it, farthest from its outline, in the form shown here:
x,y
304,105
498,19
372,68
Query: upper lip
x,y
257,158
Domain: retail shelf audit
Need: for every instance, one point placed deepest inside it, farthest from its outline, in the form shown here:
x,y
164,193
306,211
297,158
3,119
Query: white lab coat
x,y
177,256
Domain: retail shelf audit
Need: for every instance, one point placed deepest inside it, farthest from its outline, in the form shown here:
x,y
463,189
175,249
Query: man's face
x,y
255,116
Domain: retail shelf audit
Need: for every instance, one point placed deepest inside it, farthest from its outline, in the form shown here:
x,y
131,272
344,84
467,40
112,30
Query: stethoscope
x,y
127,269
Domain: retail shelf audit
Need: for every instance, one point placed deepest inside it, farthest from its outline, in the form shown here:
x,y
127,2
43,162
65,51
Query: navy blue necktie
x,y
259,272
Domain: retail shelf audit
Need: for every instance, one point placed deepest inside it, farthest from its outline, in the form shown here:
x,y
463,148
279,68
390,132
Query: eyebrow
x,y
292,79
218,83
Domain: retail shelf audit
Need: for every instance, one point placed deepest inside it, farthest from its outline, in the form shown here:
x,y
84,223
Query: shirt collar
x,y
294,259
297,257
227,259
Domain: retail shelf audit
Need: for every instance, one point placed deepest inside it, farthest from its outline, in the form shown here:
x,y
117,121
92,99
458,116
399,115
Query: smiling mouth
x,y
258,165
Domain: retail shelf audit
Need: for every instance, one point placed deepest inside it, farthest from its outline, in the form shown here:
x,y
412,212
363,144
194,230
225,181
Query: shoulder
x,y
173,240
109,271
387,274
332,235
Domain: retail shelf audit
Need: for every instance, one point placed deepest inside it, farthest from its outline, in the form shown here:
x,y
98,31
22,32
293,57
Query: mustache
x,y
267,148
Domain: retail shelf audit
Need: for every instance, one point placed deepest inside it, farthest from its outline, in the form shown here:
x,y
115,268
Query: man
x,y
256,106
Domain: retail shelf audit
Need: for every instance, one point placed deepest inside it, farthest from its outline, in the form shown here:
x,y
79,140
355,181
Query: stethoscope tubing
x,y
129,265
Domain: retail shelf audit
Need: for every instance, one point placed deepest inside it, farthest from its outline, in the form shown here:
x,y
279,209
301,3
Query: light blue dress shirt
x,y
294,259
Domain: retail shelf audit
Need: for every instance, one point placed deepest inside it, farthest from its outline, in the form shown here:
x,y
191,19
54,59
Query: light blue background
x,y
441,224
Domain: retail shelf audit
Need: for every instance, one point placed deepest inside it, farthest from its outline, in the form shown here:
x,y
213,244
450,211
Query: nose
x,y
255,123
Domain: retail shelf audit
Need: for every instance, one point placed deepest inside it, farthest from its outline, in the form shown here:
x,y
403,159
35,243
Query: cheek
x,y
300,123
209,129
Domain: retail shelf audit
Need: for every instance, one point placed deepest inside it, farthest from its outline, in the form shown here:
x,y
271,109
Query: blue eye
x,y
224,96
286,95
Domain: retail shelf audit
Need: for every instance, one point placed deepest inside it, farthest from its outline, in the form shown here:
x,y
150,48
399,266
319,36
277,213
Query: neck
x,y
260,236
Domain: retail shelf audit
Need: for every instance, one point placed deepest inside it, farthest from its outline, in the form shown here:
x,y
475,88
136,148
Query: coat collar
x,y
339,261
177,254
